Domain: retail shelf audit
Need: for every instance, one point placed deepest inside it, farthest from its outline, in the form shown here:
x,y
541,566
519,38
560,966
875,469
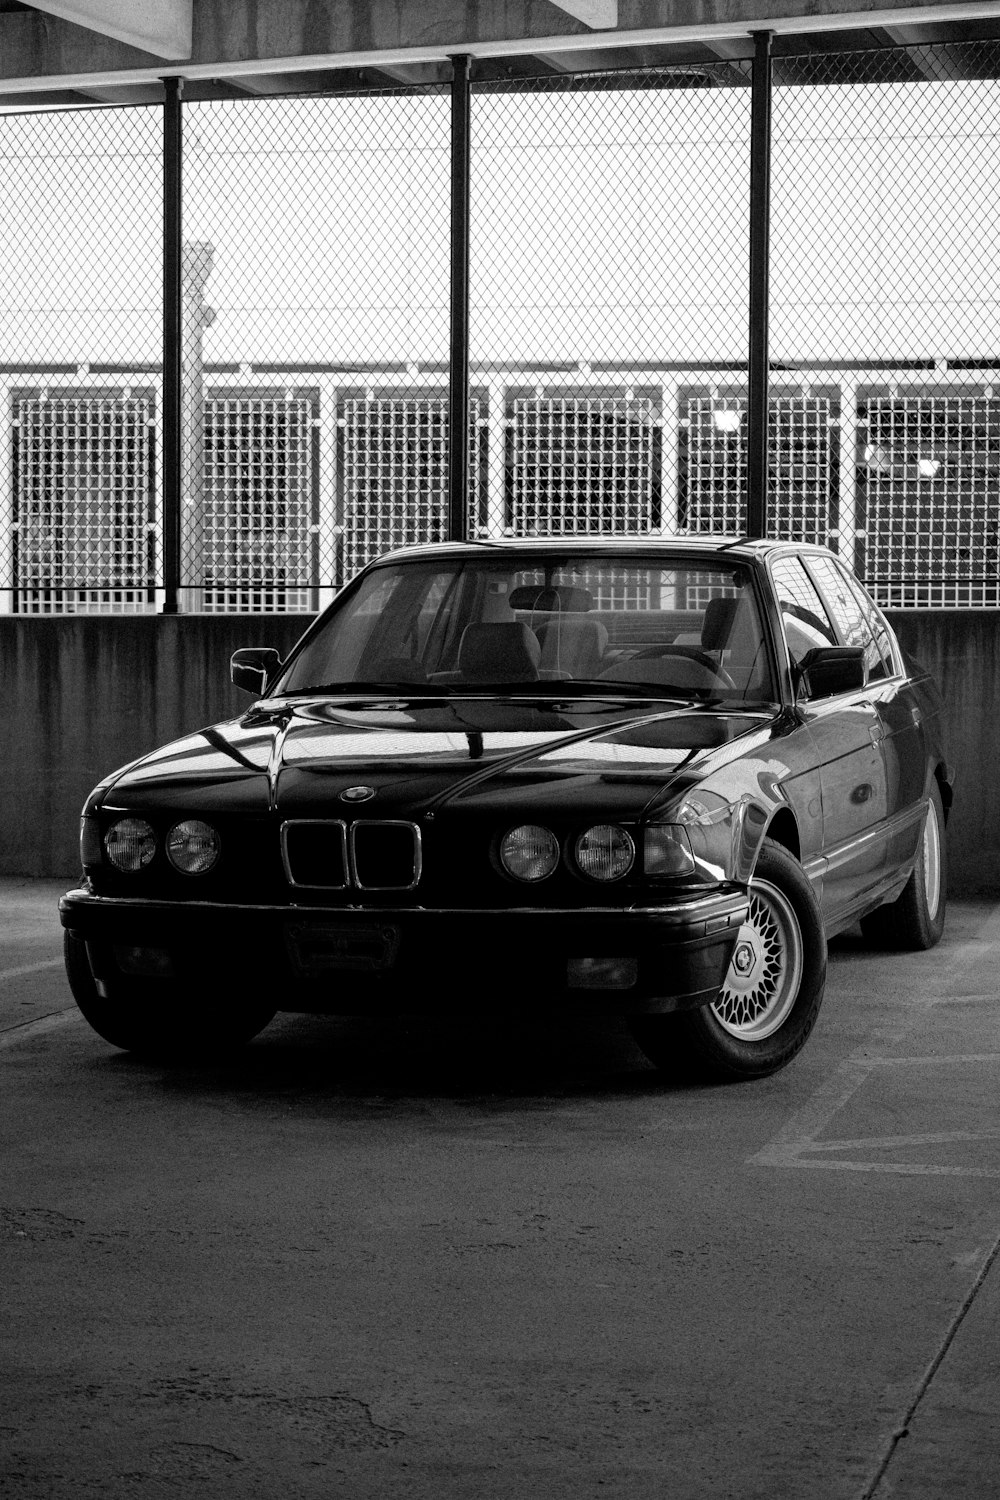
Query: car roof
x,y
744,548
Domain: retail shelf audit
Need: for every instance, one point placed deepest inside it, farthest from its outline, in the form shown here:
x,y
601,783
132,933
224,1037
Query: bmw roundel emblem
x,y
357,794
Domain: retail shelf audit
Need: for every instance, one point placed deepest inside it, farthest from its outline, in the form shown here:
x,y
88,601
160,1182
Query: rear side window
x,y
885,666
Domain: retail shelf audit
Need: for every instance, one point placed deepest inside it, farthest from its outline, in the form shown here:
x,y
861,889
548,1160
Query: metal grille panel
x,y
260,530
583,464
394,468
929,475
83,516
803,462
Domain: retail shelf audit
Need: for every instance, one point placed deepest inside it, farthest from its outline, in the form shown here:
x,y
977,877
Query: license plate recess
x,y
333,947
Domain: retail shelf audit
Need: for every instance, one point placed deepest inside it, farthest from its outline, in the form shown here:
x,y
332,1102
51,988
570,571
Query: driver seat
x,y
499,652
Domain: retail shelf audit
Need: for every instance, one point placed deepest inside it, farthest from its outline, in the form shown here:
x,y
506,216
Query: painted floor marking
x,y
22,969
796,1143
10,1036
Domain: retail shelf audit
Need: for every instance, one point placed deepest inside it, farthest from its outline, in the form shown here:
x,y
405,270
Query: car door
x,y
904,743
847,734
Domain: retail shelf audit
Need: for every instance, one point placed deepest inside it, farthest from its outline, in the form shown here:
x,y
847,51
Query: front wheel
x,y
915,920
158,1020
771,995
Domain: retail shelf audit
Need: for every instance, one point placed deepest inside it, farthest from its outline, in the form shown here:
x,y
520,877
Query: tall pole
x,y
760,250
197,260
172,343
458,390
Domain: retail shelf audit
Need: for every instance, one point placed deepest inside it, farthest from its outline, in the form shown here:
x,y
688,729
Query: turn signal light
x,y
666,851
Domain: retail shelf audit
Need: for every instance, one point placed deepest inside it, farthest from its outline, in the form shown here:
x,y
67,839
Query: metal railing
x,y
240,416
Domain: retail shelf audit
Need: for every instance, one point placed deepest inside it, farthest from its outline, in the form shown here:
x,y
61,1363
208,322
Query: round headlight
x,y
193,847
605,852
130,844
529,852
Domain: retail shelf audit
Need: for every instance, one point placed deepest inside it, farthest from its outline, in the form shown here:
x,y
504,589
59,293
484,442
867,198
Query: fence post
x,y
760,232
172,343
458,379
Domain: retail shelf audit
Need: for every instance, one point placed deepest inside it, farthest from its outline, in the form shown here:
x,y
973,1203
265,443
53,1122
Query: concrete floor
x,y
487,1261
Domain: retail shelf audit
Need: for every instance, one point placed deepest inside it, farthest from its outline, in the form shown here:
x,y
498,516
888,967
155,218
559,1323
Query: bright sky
x,y
606,226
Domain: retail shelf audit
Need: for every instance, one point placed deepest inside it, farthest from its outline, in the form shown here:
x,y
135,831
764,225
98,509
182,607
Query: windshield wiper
x,y
391,689
607,687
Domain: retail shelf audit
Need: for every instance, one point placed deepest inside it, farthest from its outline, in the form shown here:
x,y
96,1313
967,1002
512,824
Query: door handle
x,y
863,792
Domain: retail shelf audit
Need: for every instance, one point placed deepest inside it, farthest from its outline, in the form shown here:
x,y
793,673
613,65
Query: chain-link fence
x,y
608,327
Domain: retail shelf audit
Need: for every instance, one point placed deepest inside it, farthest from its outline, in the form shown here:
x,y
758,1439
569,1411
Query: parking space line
x,y
799,1134
934,1138
897,1168
22,969
10,1036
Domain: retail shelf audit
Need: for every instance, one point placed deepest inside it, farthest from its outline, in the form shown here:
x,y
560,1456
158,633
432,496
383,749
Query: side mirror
x,y
826,670
252,666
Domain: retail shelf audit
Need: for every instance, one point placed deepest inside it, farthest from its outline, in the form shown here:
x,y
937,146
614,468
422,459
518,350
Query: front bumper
x,y
358,961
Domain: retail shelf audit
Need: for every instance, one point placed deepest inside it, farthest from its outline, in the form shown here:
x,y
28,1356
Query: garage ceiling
x,y
82,52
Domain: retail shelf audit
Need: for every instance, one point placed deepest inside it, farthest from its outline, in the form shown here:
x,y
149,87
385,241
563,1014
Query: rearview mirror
x,y
826,670
252,666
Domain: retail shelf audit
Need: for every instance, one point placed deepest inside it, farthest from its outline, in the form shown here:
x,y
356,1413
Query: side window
x,y
804,616
884,665
845,606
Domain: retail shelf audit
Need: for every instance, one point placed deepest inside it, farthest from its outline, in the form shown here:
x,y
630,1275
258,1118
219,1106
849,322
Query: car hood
x,y
416,755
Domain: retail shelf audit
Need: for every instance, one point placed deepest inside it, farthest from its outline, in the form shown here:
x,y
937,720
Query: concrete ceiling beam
x,y
233,38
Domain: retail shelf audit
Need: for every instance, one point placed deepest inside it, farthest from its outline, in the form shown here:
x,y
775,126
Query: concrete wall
x,y
83,694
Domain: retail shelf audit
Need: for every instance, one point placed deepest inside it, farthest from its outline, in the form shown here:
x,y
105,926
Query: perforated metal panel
x,y
393,462
260,523
803,466
83,504
582,463
929,486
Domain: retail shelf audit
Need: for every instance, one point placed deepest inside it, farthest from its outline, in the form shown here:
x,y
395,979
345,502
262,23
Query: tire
x,y
156,1019
915,920
771,997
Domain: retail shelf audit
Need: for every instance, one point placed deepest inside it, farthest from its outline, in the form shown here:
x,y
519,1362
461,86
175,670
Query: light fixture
x,y
877,458
727,420
928,468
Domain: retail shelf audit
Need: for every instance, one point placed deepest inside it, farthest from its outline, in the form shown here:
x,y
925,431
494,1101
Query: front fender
x,y
725,836
750,824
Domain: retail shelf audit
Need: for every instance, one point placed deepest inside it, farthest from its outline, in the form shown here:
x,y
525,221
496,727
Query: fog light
x,y
150,963
602,973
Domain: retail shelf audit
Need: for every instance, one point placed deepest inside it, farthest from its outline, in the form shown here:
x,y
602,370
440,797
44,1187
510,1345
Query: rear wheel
x,y
915,919
158,1019
771,995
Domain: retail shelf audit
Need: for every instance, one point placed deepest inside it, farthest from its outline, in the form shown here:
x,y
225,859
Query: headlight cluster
x,y
530,852
192,847
606,852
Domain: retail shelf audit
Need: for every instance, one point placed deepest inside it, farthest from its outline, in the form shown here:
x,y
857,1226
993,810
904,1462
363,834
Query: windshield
x,y
675,629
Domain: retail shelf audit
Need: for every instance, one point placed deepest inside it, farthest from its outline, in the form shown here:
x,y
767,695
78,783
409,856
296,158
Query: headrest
x,y
717,625
507,652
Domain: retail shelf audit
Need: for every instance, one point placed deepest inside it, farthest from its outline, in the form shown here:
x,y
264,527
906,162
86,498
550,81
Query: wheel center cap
x,y
744,958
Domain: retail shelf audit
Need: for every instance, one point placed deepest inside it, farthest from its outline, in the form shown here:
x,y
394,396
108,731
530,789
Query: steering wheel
x,y
693,654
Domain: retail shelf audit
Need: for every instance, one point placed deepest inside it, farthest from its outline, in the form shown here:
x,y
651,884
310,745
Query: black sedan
x,y
652,776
